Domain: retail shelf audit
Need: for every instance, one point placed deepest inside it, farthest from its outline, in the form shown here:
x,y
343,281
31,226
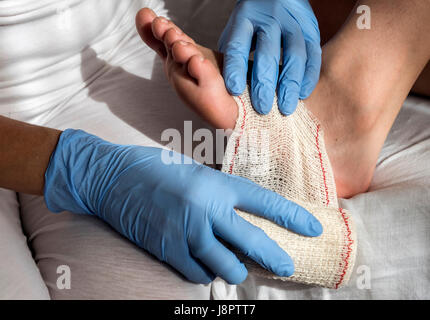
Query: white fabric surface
x,y
19,276
117,90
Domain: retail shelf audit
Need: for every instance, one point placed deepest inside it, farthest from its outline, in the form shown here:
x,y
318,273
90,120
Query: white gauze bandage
x,y
286,154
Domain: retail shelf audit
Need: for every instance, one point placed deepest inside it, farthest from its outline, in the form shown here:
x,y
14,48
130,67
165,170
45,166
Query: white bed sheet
x,y
393,218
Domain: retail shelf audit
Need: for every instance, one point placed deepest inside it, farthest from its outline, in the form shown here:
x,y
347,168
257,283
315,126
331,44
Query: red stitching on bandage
x,y
350,242
348,247
236,148
322,166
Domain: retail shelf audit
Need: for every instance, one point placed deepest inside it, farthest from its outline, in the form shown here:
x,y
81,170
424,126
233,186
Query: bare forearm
x,y
24,155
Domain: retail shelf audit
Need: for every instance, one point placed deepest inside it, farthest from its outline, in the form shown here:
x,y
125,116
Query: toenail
x,y
178,31
184,43
163,20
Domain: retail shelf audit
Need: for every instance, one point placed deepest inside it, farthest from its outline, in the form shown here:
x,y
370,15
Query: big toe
x,y
145,16
144,20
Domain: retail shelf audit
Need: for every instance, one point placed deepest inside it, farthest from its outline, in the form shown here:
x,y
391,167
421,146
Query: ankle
x,y
349,119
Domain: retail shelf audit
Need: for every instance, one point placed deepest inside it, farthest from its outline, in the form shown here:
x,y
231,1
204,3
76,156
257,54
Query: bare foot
x,y
194,72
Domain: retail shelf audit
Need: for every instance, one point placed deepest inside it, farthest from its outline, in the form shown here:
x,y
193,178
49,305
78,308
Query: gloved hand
x,y
272,21
173,211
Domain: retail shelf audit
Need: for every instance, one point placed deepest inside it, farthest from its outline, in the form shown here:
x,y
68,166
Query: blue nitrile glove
x,y
290,22
173,211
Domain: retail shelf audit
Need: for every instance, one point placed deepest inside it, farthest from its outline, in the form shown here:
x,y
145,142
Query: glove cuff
x,y
68,167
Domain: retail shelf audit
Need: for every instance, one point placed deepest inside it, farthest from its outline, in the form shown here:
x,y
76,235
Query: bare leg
x,y
332,15
422,85
366,76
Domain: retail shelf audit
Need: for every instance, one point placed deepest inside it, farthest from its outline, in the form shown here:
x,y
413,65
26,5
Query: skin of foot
x,y
194,72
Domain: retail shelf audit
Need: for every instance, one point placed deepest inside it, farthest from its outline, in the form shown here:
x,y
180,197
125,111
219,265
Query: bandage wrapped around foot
x,y
287,154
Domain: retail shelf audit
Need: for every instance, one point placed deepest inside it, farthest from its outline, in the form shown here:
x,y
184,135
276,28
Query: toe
x,y
175,34
145,16
199,67
196,66
144,20
203,70
211,99
182,51
161,25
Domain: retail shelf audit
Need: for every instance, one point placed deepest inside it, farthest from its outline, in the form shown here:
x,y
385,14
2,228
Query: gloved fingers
x,y
177,254
266,68
216,257
236,45
293,69
270,205
193,270
254,243
313,68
